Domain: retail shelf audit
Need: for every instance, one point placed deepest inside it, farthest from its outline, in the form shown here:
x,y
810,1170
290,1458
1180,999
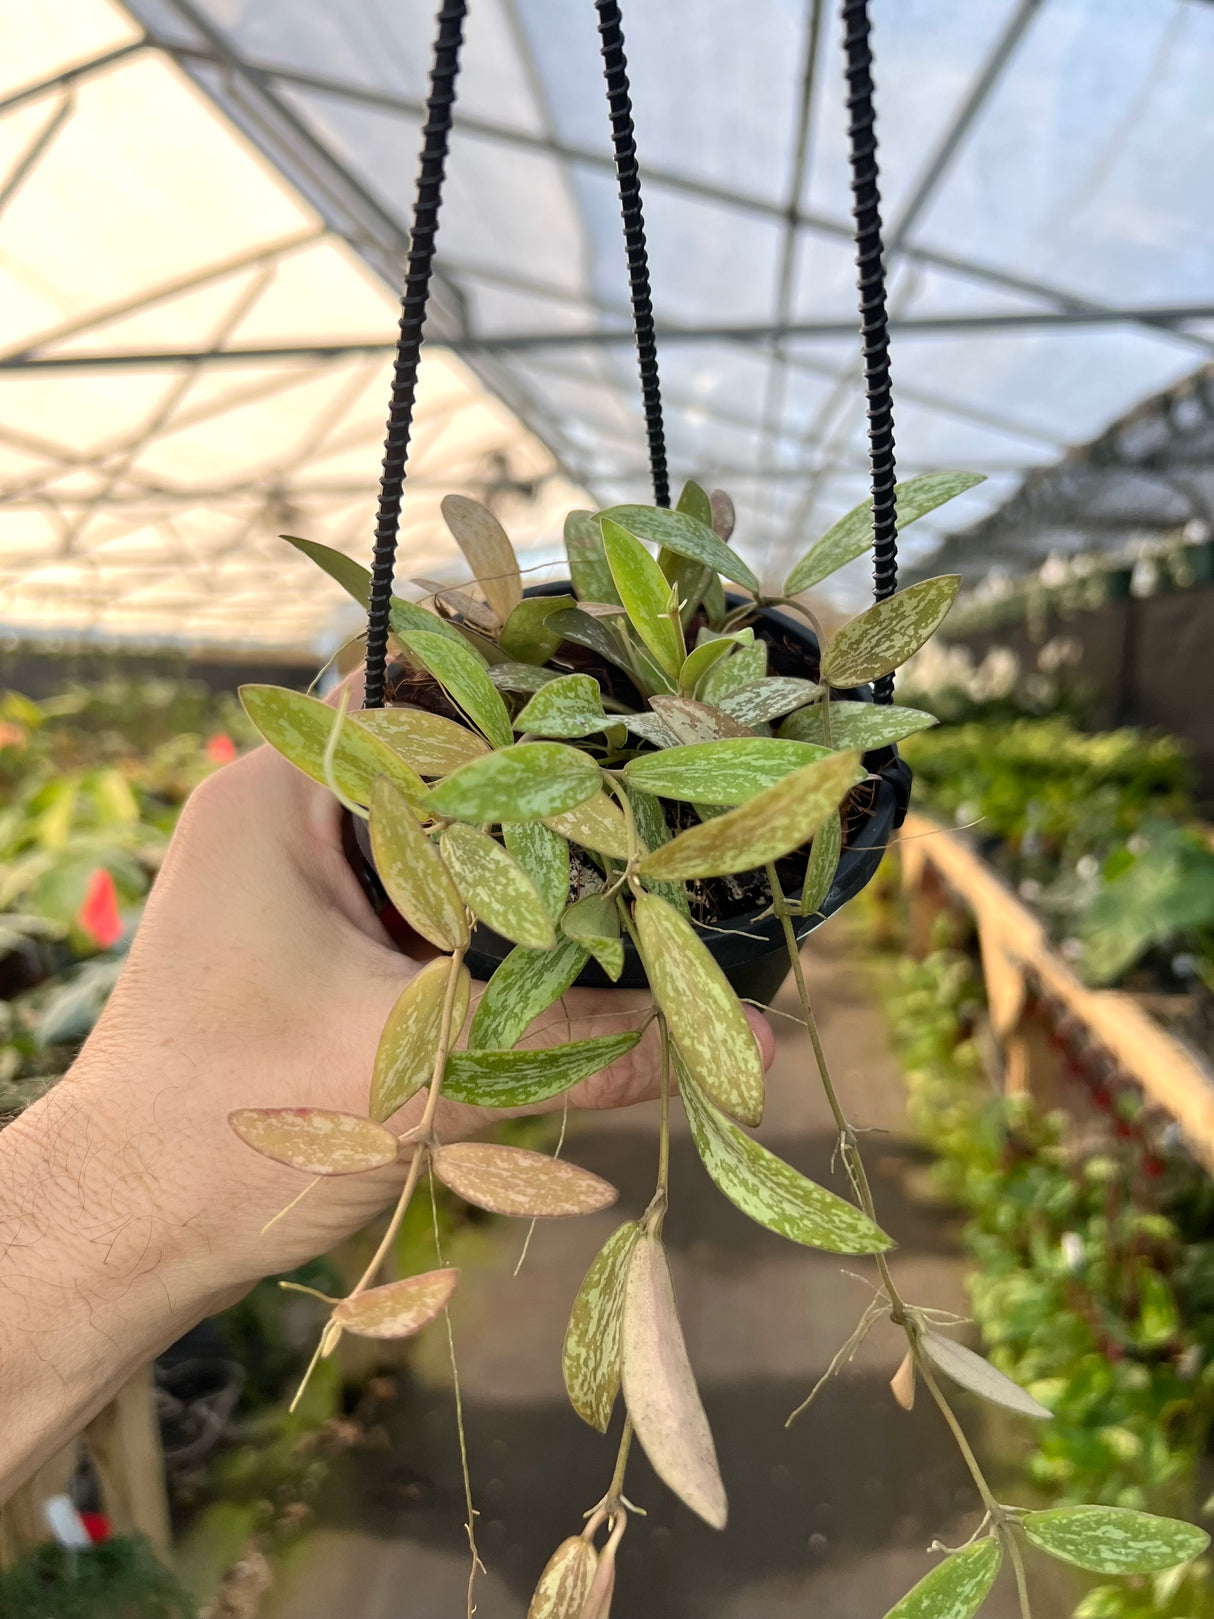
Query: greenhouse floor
x,y
830,1518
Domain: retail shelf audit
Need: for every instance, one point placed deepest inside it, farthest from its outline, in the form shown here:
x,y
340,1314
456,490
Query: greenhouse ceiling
x,y
204,210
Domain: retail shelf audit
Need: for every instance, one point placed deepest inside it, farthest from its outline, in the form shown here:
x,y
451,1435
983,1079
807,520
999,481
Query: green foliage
x,y
119,1579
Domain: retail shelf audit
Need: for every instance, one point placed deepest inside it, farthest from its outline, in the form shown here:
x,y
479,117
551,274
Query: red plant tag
x,y
221,750
98,916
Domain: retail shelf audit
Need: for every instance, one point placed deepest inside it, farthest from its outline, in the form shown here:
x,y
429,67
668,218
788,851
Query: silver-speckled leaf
x,y
299,728
652,728
405,617
431,744
725,772
597,824
522,782
520,677
877,640
594,923
852,535
823,863
544,856
770,826
566,1580
417,882
767,1189
592,581
493,885
660,1388
768,699
525,1078
487,549
742,668
645,592
397,1309
975,1373
858,725
704,1014
353,578
686,535
462,676
511,1180
526,635
690,721
956,1589
525,984
570,705
591,1357
404,1060
317,1139
1114,1540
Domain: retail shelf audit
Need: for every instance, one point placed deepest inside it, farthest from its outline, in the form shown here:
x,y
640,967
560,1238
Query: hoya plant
x,y
596,781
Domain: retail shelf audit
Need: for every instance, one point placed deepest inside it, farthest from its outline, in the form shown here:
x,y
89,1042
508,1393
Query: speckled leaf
x,y
397,1309
693,499
353,578
651,825
742,668
592,581
431,743
769,1191
902,1383
858,725
591,1358
519,783
645,592
525,984
724,518
571,705
890,631
768,699
317,1139
684,534
852,535
526,635
405,617
594,923
462,676
404,1060
660,1387
768,827
691,721
823,863
409,867
1114,1540
651,728
520,677
525,1078
566,1581
956,1589
979,1376
597,824
511,1180
299,728
493,884
704,1014
698,662
726,772
489,552
544,856
585,630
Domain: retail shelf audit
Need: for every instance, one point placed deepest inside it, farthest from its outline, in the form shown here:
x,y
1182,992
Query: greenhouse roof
x,y
204,208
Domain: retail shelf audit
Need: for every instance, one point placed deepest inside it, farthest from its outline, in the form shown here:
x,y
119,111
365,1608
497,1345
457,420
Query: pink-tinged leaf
x,y
488,550
660,1388
566,1581
511,1180
98,917
723,515
903,1382
398,1309
317,1139
696,722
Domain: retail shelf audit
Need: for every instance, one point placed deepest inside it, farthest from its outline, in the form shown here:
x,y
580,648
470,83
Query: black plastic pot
x,y
751,952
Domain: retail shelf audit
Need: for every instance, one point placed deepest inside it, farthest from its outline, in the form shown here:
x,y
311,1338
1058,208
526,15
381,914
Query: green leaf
x,y
525,984
417,882
316,1139
769,1191
823,863
699,1004
525,1078
592,581
690,721
858,725
975,1373
645,592
407,617
682,533
431,744
690,578
695,502
397,1309
742,668
570,705
583,629
956,1589
698,662
594,923
646,672
597,824
726,772
519,783
592,1352
300,727
408,1045
353,578
493,885
770,826
526,635
890,631
521,677
714,602
1114,1540
488,551
651,728
544,856
852,535
512,1180
650,819
462,676
768,699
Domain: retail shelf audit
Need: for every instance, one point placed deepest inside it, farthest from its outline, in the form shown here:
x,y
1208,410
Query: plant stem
x,y
958,1433
664,1137
1017,1561
616,1488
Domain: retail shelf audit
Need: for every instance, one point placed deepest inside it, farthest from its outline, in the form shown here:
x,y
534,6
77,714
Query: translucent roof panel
x,y
1050,250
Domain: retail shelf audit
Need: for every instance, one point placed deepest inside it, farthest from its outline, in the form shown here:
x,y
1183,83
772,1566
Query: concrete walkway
x,y
830,1519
